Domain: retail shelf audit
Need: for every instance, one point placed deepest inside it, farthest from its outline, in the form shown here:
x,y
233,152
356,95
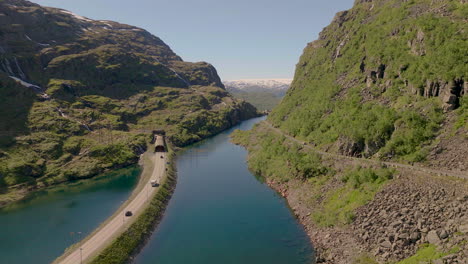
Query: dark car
x,y
162,157
128,213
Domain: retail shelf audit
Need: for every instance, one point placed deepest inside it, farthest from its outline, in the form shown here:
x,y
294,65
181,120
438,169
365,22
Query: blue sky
x,y
243,39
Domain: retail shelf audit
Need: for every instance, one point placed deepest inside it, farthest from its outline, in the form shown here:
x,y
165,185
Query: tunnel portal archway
x,y
159,144
159,149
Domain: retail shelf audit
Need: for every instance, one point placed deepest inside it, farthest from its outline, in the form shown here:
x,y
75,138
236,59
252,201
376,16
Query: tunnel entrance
x,y
159,149
159,143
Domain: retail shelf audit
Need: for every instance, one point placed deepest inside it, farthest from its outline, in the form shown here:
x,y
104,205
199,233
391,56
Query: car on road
x,y
154,183
128,213
162,157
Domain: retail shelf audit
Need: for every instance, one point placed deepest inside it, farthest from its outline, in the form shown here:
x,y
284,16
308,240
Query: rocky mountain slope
x,y
81,96
385,81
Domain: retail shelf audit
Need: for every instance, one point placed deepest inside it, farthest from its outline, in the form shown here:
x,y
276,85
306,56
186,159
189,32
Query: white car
x,y
154,183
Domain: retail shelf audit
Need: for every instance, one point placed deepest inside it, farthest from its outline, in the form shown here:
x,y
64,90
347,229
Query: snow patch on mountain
x,y
264,83
276,86
76,16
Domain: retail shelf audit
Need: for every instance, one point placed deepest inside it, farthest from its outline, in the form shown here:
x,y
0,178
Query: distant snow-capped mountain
x,y
275,86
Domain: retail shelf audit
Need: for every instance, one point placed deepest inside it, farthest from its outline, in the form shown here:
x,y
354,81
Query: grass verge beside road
x,y
128,244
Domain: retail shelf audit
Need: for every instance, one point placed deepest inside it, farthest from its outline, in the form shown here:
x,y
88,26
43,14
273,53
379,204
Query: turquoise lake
x,y
38,229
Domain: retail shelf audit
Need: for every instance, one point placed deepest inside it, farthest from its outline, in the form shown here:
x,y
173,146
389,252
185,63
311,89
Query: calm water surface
x,y
38,229
220,213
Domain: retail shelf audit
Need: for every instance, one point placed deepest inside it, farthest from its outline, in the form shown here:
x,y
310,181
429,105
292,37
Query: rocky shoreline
x,y
411,212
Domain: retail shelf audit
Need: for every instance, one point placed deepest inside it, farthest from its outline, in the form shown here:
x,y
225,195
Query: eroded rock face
x,y
449,92
350,147
374,74
432,89
452,93
417,44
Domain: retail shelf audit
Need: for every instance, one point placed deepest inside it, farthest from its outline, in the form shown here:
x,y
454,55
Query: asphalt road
x,y
119,222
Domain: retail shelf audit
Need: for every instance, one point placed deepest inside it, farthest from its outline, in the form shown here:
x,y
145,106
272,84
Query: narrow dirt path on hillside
x,y
463,175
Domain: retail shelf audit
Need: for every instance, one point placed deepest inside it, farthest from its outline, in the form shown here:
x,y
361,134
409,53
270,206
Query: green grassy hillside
x,y
381,80
82,96
263,101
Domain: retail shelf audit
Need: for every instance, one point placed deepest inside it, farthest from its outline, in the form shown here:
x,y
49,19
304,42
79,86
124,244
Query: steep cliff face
x,y
384,79
80,96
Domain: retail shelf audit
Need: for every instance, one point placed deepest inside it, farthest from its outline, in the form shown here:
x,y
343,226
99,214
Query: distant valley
x,y
264,94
